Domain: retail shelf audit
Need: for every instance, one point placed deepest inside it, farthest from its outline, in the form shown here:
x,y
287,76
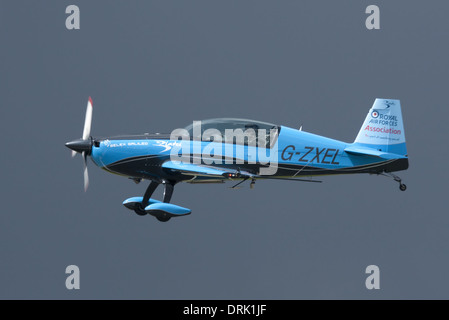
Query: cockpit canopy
x,y
228,128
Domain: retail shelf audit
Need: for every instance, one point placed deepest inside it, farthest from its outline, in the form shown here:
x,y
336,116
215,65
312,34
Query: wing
x,y
192,169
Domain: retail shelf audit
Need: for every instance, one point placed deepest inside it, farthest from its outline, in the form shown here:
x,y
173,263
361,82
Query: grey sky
x,y
151,66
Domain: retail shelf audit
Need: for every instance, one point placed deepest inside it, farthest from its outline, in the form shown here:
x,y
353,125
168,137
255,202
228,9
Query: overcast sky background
x,y
152,66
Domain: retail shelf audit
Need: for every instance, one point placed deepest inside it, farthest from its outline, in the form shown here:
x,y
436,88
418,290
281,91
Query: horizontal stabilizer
x,y
365,152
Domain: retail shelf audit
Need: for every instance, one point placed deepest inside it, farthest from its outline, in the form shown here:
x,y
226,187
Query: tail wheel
x,y
402,187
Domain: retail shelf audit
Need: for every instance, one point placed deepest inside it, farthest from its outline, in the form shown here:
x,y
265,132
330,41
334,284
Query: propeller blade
x,y
88,119
73,153
86,175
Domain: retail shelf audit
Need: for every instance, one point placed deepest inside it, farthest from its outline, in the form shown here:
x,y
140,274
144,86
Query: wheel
x,y
163,218
140,211
402,187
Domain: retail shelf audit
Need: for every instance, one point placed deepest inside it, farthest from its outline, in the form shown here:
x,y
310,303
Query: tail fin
x,y
383,128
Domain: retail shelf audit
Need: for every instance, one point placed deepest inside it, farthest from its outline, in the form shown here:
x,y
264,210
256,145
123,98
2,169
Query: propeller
x,y
84,145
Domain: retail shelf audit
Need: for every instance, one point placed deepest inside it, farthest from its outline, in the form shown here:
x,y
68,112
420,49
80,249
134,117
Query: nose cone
x,y
80,145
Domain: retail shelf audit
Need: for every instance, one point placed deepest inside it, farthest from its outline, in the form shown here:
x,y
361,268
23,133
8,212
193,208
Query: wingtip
x,y
91,102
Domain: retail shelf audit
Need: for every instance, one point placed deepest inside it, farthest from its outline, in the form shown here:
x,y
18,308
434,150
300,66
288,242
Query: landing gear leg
x,y
168,192
402,186
140,210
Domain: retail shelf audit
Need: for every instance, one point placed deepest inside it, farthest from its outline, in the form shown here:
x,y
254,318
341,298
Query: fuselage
x,y
292,153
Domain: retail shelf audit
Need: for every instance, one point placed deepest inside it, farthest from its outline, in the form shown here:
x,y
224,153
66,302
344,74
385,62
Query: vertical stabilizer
x,y
383,128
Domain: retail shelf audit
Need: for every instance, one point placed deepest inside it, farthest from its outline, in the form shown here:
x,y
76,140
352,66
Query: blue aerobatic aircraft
x,y
224,149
